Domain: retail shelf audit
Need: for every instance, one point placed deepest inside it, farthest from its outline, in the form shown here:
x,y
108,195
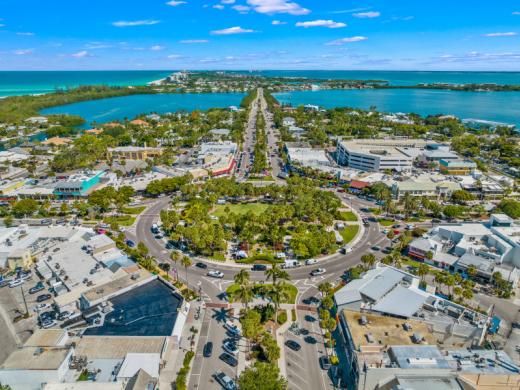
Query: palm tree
x,y
278,294
242,277
325,288
274,273
245,291
174,256
186,262
409,204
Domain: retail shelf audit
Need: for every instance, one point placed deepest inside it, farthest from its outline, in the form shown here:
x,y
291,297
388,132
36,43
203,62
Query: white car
x,y
318,271
230,347
216,274
15,283
48,324
311,261
385,231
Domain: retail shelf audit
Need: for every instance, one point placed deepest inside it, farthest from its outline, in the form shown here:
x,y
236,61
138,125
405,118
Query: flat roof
x,y
393,302
46,338
385,330
133,362
36,358
117,347
85,385
103,290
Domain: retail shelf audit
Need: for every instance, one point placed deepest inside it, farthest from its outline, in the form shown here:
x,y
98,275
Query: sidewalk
x,y
174,354
280,339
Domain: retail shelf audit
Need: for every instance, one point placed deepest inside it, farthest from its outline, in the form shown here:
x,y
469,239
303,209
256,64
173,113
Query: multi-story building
x,y
134,152
78,185
379,154
456,167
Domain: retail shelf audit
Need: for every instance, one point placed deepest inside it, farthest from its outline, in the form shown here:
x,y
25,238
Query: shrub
x,y
334,360
293,315
282,318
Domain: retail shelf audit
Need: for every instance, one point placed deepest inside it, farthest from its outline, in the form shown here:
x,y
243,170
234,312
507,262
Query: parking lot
x,y
303,367
205,367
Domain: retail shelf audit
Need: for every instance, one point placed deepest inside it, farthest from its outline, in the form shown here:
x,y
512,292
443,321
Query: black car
x,y
293,345
325,362
43,297
37,288
259,267
227,358
208,349
376,248
201,265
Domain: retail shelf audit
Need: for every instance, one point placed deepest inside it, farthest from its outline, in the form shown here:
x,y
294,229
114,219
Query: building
x,y
94,131
57,141
425,187
436,152
379,154
217,158
134,152
456,167
78,185
488,247
37,120
288,121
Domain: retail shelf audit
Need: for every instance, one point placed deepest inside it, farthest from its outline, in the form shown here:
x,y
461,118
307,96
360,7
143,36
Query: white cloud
x,y
367,15
241,8
321,23
218,6
515,13
156,48
80,54
126,23
501,34
190,41
174,56
174,3
277,7
277,22
342,41
228,1
25,34
232,31
23,52
97,46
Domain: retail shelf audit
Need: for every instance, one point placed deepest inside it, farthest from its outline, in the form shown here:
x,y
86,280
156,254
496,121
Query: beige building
x,y
134,152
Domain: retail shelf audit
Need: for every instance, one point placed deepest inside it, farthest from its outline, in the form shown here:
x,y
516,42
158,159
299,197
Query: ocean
x,y
38,82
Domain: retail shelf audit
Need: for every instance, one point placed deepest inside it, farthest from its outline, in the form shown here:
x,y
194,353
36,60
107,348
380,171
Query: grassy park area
x,y
348,216
240,209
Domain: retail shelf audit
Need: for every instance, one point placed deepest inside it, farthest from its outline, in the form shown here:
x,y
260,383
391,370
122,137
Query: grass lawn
x,y
349,233
123,220
291,290
385,222
348,216
133,210
256,208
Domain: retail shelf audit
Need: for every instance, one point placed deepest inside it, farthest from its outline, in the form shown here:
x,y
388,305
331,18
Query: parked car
x,y
43,297
293,345
216,274
318,271
346,249
225,381
15,283
208,349
37,288
376,248
227,358
48,324
259,267
201,265
64,315
130,243
310,261
230,347
232,328
325,362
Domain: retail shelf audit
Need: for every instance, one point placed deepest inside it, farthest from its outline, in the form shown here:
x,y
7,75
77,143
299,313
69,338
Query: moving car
x,y
293,345
310,261
208,349
346,249
318,271
227,358
225,381
376,248
216,274
201,265
43,297
259,267
230,347
130,243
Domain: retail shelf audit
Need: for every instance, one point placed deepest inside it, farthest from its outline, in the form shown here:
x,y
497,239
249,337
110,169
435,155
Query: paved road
x,y
245,157
213,288
302,367
273,137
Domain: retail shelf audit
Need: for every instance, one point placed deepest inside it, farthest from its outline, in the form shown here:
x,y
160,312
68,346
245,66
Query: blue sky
x,y
260,34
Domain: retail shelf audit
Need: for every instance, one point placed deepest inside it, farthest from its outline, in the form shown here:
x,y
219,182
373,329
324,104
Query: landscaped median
x,y
261,289
349,232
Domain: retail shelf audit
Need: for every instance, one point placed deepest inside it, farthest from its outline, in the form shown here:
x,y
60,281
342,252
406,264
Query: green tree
x,y
422,271
244,293
368,260
275,273
278,294
262,376
510,207
325,288
270,348
8,221
186,262
25,208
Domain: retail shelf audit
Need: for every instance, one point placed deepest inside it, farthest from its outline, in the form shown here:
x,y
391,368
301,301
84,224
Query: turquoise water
x,y
127,107
402,77
37,82
496,106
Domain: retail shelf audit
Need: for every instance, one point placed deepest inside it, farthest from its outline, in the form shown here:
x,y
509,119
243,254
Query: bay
x,y
128,107
495,106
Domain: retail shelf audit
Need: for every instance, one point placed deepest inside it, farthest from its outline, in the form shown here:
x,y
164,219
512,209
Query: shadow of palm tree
x,y
221,315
